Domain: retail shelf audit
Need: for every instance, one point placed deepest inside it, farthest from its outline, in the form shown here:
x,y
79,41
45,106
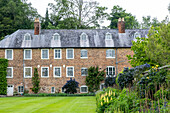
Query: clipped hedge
x,y
57,94
3,73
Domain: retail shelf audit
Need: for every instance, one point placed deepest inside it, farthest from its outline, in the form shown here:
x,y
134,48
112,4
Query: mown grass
x,y
48,104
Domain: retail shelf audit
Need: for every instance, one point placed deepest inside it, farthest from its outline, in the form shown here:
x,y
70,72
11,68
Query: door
x,y
10,90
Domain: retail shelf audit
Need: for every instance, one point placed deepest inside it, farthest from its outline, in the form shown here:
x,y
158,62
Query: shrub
x,y
110,81
94,78
35,81
70,86
3,73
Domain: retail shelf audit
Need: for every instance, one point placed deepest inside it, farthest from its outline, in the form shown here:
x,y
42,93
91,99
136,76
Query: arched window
x,y
56,36
27,36
108,36
83,37
137,35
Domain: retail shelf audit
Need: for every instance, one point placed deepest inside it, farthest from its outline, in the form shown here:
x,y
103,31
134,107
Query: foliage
x,y
125,79
57,94
14,15
35,81
140,57
71,14
45,21
3,73
70,86
157,48
109,81
94,78
118,12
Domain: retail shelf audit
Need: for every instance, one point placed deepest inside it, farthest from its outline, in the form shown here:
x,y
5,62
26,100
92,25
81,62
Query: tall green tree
x,y
46,20
71,14
119,12
14,15
158,46
146,22
35,81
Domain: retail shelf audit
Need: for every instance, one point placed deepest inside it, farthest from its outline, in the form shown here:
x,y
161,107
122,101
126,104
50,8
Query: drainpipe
x,y
23,71
116,63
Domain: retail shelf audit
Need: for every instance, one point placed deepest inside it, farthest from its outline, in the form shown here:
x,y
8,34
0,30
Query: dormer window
x,y
108,36
137,35
56,36
83,37
27,37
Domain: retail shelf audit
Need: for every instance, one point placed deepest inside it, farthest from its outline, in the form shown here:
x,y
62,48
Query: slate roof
x,y
71,38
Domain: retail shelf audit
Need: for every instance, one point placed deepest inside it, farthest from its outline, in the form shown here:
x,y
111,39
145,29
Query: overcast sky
x,y
139,8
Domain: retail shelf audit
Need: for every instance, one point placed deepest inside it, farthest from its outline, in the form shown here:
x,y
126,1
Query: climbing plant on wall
x,y
3,73
35,81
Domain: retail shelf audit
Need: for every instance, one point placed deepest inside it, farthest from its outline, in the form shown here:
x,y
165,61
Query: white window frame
x,y
25,71
6,54
67,55
60,54
18,89
81,36
29,36
80,54
112,70
83,86
42,73
87,71
106,36
11,73
108,50
52,90
30,55
67,69
101,86
58,36
42,55
54,72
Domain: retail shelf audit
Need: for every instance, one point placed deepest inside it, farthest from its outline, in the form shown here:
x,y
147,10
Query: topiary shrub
x,y
35,81
3,73
109,81
94,78
70,86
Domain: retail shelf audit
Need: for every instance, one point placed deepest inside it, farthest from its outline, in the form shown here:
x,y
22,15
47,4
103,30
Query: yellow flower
x,y
111,98
147,77
114,93
152,66
157,65
107,100
109,93
101,103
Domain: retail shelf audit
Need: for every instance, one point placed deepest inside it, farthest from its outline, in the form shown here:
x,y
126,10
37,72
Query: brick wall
x,y
96,57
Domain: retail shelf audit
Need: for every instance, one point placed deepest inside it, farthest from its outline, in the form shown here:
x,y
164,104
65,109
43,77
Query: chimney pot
x,y
37,26
121,25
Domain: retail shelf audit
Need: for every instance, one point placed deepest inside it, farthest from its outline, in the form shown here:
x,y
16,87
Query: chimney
x,y
121,25
37,26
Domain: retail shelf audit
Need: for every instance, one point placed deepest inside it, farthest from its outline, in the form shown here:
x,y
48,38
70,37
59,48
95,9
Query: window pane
x,y
84,37
57,72
27,72
110,71
84,72
70,71
83,89
70,53
83,53
56,37
44,53
110,53
52,89
27,53
57,53
9,54
45,72
9,72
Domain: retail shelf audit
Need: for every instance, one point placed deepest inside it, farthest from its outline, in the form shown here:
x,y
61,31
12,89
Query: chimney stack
x,y
121,25
37,26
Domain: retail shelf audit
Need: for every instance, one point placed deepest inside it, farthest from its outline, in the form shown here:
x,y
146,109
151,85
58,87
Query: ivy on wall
x,y
3,73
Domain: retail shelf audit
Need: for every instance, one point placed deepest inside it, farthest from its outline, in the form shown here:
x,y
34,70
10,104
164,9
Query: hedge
x,y
3,73
57,94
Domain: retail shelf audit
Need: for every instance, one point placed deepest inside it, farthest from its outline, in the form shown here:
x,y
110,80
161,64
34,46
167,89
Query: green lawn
x,y
48,104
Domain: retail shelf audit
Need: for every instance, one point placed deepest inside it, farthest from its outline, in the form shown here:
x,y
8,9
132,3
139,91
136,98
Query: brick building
x,y
63,54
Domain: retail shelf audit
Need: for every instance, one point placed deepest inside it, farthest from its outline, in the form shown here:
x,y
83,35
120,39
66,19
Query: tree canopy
x,y
119,12
14,15
71,14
